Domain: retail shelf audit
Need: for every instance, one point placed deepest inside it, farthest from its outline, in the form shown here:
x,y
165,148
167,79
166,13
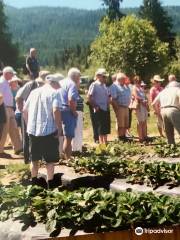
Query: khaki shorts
x,y
141,113
123,117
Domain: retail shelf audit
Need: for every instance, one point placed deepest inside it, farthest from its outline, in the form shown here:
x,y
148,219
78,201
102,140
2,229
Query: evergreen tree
x,y
113,10
8,50
154,12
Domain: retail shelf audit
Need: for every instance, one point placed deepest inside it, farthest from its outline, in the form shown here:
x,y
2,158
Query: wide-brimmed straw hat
x,y
157,78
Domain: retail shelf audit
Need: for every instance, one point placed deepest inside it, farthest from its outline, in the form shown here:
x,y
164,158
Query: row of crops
x,y
91,210
100,210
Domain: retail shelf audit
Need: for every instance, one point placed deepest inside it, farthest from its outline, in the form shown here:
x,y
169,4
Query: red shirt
x,y
154,91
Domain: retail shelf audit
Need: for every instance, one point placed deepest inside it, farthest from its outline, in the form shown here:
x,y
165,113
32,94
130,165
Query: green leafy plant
x,y
92,210
167,150
153,174
120,149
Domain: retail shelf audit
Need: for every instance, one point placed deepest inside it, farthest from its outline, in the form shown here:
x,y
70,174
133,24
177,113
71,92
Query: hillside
x,y
52,29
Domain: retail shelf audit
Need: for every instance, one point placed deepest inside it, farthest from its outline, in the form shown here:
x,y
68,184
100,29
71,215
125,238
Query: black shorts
x,y
44,148
103,122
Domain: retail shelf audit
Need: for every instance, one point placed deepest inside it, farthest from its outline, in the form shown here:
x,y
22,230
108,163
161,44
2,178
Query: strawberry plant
x,y
153,174
162,149
120,149
92,210
157,174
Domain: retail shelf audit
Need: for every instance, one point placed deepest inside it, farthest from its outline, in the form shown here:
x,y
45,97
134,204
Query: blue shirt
x,y
100,95
39,106
68,91
122,94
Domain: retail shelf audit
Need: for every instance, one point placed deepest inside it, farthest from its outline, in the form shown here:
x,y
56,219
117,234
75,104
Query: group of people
x,y
127,96
44,116
51,110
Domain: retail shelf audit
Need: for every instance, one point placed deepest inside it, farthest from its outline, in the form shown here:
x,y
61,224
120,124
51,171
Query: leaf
x,y
50,225
55,233
162,220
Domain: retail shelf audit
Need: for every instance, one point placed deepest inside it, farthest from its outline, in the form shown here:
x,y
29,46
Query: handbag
x,y
133,104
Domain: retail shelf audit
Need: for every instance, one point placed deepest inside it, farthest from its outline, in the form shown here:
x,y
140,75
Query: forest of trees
x,y
62,35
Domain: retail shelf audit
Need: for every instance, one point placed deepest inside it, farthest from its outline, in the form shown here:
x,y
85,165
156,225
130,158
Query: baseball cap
x,y
59,75
52,78
102,72
9,69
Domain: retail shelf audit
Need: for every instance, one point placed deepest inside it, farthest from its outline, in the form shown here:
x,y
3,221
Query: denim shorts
x,y
69,122
18,119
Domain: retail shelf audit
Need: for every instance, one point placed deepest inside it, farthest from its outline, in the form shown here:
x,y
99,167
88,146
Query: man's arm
x,y
28,67
26,109
114,103
155,104
90,97
72,97
57,119
72,106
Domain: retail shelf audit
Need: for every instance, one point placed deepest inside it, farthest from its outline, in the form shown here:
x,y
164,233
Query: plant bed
x,y
90,210
162,149
11,230
118,148
153,174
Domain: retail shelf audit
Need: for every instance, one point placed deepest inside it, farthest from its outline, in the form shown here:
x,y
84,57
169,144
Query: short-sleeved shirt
x,y
24,91
39,106
33,64
5,90
100,95
68,91
169,97
122,94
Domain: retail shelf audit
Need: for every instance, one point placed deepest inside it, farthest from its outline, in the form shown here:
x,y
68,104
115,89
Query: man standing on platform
x,y
32,64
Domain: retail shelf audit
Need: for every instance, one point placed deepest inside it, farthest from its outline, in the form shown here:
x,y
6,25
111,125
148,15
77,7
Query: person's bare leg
x,y
67,147
161,131
50,171
139,131
144,130
105,139
101,139
34,167
122,132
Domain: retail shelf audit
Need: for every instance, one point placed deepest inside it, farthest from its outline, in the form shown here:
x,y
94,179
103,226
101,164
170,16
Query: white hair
x,y
32,50
172,78
120,76
73,72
